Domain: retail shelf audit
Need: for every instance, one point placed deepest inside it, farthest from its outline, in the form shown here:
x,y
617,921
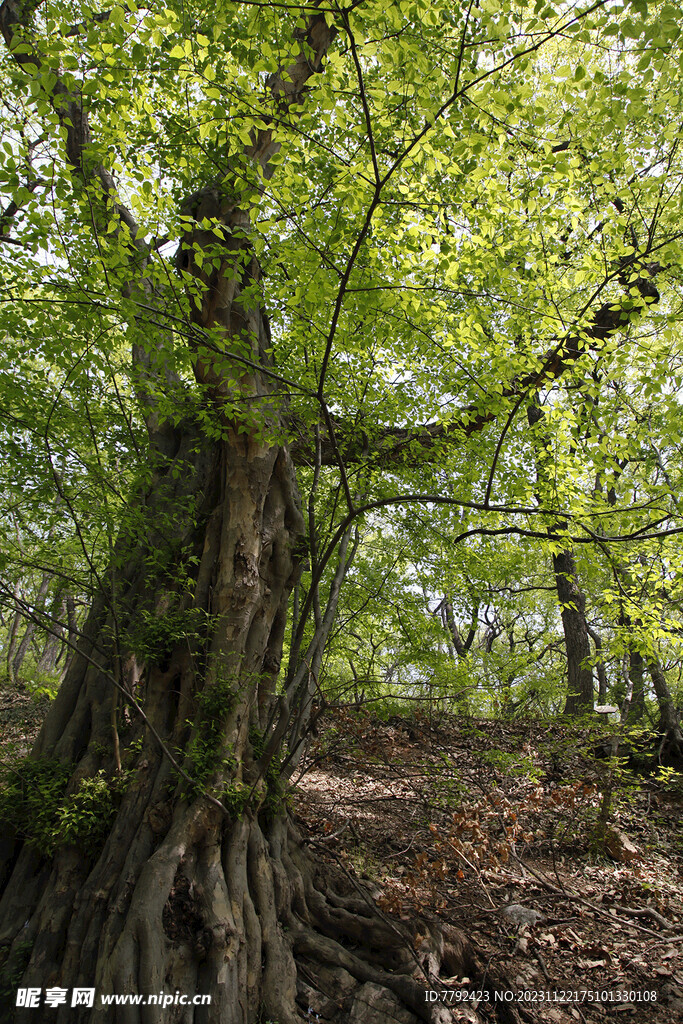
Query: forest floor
x,y
457,819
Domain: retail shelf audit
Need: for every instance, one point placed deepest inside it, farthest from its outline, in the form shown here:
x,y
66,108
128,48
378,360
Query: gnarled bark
x,y
203,888
200,884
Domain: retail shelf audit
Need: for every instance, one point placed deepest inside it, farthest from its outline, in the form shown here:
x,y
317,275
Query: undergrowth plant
x,y
35,807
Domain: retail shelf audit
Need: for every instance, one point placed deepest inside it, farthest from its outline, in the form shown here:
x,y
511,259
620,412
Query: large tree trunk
x,y
201,886
199,882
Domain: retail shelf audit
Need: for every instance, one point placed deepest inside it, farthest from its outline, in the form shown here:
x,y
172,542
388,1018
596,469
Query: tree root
x,y
243,912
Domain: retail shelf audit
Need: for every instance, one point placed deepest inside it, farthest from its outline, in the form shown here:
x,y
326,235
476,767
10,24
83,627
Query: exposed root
x,y
242,911
355,964
182,896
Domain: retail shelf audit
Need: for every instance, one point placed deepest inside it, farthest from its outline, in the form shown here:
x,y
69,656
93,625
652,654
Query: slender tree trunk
x,y
600,664
460,646
31,625
47,662
572,603
12,643
636,671
54,643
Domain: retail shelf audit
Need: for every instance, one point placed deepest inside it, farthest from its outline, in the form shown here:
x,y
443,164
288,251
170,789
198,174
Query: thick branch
x,y
230,292
401,446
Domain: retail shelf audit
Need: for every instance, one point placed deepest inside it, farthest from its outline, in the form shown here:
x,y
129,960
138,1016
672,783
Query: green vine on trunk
x,y
35,807
153,636
275,794
205,752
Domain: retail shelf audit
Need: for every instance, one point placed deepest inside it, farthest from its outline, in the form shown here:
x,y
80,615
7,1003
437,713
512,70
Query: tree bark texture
x,y
599,664
573,606
200,883
572,603
211,896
